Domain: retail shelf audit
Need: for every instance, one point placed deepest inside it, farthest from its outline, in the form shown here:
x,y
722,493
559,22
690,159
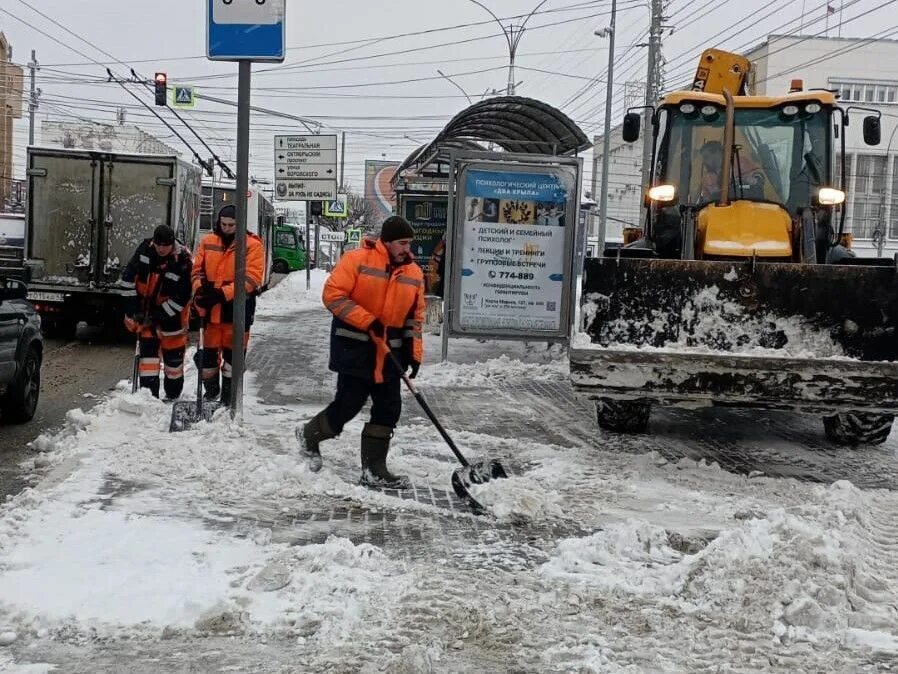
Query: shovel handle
x,y
201,355
383,346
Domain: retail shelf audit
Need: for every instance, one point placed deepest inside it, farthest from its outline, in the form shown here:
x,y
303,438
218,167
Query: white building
x,y
624,183
102,138
865,72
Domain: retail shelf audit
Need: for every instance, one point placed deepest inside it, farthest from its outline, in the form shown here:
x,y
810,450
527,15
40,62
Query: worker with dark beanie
x,y
376,294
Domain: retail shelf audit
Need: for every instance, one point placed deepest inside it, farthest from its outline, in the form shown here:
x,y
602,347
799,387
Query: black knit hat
x,y
395,228
227,211
163,236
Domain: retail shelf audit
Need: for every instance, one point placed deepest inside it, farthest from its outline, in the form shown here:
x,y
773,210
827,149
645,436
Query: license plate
x,y
38,296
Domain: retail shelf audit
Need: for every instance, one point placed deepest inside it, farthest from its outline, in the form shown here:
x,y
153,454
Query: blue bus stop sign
x,y
246,30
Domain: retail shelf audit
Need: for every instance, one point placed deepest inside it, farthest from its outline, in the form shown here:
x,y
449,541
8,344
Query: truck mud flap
x,y
775,335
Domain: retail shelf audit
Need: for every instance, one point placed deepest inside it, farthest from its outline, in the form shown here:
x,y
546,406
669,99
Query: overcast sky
x,y
350,61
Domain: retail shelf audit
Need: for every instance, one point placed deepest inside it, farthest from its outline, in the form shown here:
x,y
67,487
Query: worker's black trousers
x,y
353,392
173,367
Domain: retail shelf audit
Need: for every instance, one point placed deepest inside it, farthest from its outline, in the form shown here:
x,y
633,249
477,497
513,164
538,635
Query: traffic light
x,y
161,83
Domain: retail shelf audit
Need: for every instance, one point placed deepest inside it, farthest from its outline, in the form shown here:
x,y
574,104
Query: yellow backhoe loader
x,y
740,291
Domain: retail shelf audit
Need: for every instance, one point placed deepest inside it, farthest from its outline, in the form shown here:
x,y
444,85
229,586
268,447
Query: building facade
x,y
11,80
102,138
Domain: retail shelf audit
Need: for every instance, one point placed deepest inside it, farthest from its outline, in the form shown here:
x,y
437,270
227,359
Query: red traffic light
x,y
161,88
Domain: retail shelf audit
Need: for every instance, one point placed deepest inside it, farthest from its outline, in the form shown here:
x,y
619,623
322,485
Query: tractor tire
x,y
623,416
280,267
858,428
20,401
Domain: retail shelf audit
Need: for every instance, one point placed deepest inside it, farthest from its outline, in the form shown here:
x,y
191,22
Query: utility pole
x,y
606,141
342,157
652,88
35,94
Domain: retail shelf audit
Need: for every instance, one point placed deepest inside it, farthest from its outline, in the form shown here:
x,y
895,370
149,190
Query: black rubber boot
x,y
152,384
375,447
211,387
312,433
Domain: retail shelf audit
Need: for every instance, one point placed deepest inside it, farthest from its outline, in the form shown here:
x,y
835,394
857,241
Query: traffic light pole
x,y
238,358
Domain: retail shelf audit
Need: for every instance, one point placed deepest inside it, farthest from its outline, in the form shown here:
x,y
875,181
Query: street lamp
x,y
606,140
513,37
455,84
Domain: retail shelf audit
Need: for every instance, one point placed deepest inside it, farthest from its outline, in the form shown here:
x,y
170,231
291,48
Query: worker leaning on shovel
x,y
376,294
157,309
214,269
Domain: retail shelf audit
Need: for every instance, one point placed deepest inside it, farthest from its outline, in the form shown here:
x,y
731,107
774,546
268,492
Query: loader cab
x,y
781,158
783,152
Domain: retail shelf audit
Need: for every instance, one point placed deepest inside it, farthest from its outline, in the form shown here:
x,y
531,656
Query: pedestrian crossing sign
x,y
354,235
184,97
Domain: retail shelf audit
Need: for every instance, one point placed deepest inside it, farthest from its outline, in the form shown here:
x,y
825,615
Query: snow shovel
x,y
135,372
185,414
468,473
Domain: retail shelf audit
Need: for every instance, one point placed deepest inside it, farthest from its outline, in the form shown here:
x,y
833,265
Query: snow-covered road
x,y
723,542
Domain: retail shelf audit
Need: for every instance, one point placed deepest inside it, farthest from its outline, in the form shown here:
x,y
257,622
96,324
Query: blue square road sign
x,y
250,30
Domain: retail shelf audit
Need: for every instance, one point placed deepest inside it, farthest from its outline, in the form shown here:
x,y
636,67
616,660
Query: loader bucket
x,y
820,338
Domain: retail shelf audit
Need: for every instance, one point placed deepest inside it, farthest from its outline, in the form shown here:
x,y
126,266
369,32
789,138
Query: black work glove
x,y
377,328
415,367
208,298
133,323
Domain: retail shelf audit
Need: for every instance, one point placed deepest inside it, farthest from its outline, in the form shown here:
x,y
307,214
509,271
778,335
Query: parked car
x,y
21,353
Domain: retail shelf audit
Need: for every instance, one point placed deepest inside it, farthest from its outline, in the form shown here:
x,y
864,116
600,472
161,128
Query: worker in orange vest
x,y
158,308
213,286
376,294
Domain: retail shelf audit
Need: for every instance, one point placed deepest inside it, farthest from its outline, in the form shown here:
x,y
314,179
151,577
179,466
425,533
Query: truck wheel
x,y
623,416
63,328
858,428
280,267
20,401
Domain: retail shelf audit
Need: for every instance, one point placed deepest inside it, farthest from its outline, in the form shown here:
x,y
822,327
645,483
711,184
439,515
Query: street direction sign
x,y
305,190
305,167
184,97
328,236
250,30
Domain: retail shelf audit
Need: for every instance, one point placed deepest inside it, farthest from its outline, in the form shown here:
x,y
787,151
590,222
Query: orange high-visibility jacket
x,y
214,263
159,289
365,286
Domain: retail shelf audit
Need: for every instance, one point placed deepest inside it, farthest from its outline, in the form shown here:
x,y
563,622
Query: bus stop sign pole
x,y
238,357
243,32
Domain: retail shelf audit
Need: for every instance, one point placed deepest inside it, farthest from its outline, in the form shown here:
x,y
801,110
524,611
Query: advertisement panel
x,y
378,190
428,216
514,236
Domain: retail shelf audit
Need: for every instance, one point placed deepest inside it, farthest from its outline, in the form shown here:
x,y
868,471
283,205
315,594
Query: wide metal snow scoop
x,y
816,337
184,415
479,472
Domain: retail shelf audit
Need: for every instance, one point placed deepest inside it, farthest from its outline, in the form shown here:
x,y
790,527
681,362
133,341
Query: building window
x,y
867,211
866,92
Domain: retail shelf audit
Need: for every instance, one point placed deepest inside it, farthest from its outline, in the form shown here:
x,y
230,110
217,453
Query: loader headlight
x,y
790,110
663,193
830,196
